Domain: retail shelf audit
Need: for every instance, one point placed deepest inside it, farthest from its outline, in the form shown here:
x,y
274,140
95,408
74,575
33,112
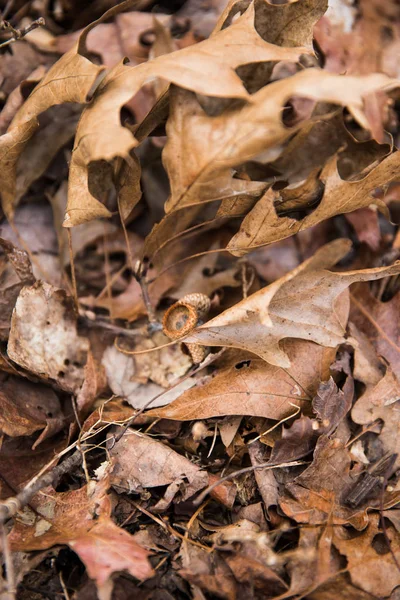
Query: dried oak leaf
x,y
246,385
201,151
379,322
82,520
290,24
299,305
382,402
139,462
26,407
68,80
206,68
44,339
370,561
263,225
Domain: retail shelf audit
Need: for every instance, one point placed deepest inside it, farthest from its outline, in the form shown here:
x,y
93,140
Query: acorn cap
x,y
183,316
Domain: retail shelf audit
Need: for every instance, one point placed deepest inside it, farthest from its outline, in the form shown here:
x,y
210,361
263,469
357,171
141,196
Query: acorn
x,y
182,317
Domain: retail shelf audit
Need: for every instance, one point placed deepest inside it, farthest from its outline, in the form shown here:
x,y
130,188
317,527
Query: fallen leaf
x,y
199,68
318,491
20,462
370,561
81,519
297,441
366,225
332,404
263,226
27,407
246,385
15,272
300,305
43,337
69,80
138,382
381,402
378,321
289,24
266,481
140,462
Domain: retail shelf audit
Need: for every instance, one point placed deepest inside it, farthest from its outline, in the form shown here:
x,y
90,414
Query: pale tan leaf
x,y
43,337
69,80
263,226
206,68
301,305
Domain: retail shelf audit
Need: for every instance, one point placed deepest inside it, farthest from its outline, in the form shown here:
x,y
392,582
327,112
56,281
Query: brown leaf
x,y
332,404
366,225
19,462
266,481
15,272
297,441
206,68
81,519
27,407
69,80
289,24
43,337
381,402
300,305
19,260
378,321
370,562
140,462
318,491
246,385
235,136
263,226
139,380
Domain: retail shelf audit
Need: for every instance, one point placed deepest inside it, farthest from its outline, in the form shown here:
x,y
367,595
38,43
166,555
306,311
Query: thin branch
x,y
18,34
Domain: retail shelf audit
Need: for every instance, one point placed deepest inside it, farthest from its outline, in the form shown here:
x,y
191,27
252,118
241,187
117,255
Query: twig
x,y
10,507
110,327
73,273
17,34
140,273
11,589
267,466
63,586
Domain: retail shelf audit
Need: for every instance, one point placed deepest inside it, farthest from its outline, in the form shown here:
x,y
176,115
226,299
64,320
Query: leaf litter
x,y
199,292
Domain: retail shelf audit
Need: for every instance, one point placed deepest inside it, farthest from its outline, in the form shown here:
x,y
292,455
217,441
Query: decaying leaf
x,y
43,337
370,561
140,462
26,408
138,382
378,321
81,519
300,305
381,402
263,226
